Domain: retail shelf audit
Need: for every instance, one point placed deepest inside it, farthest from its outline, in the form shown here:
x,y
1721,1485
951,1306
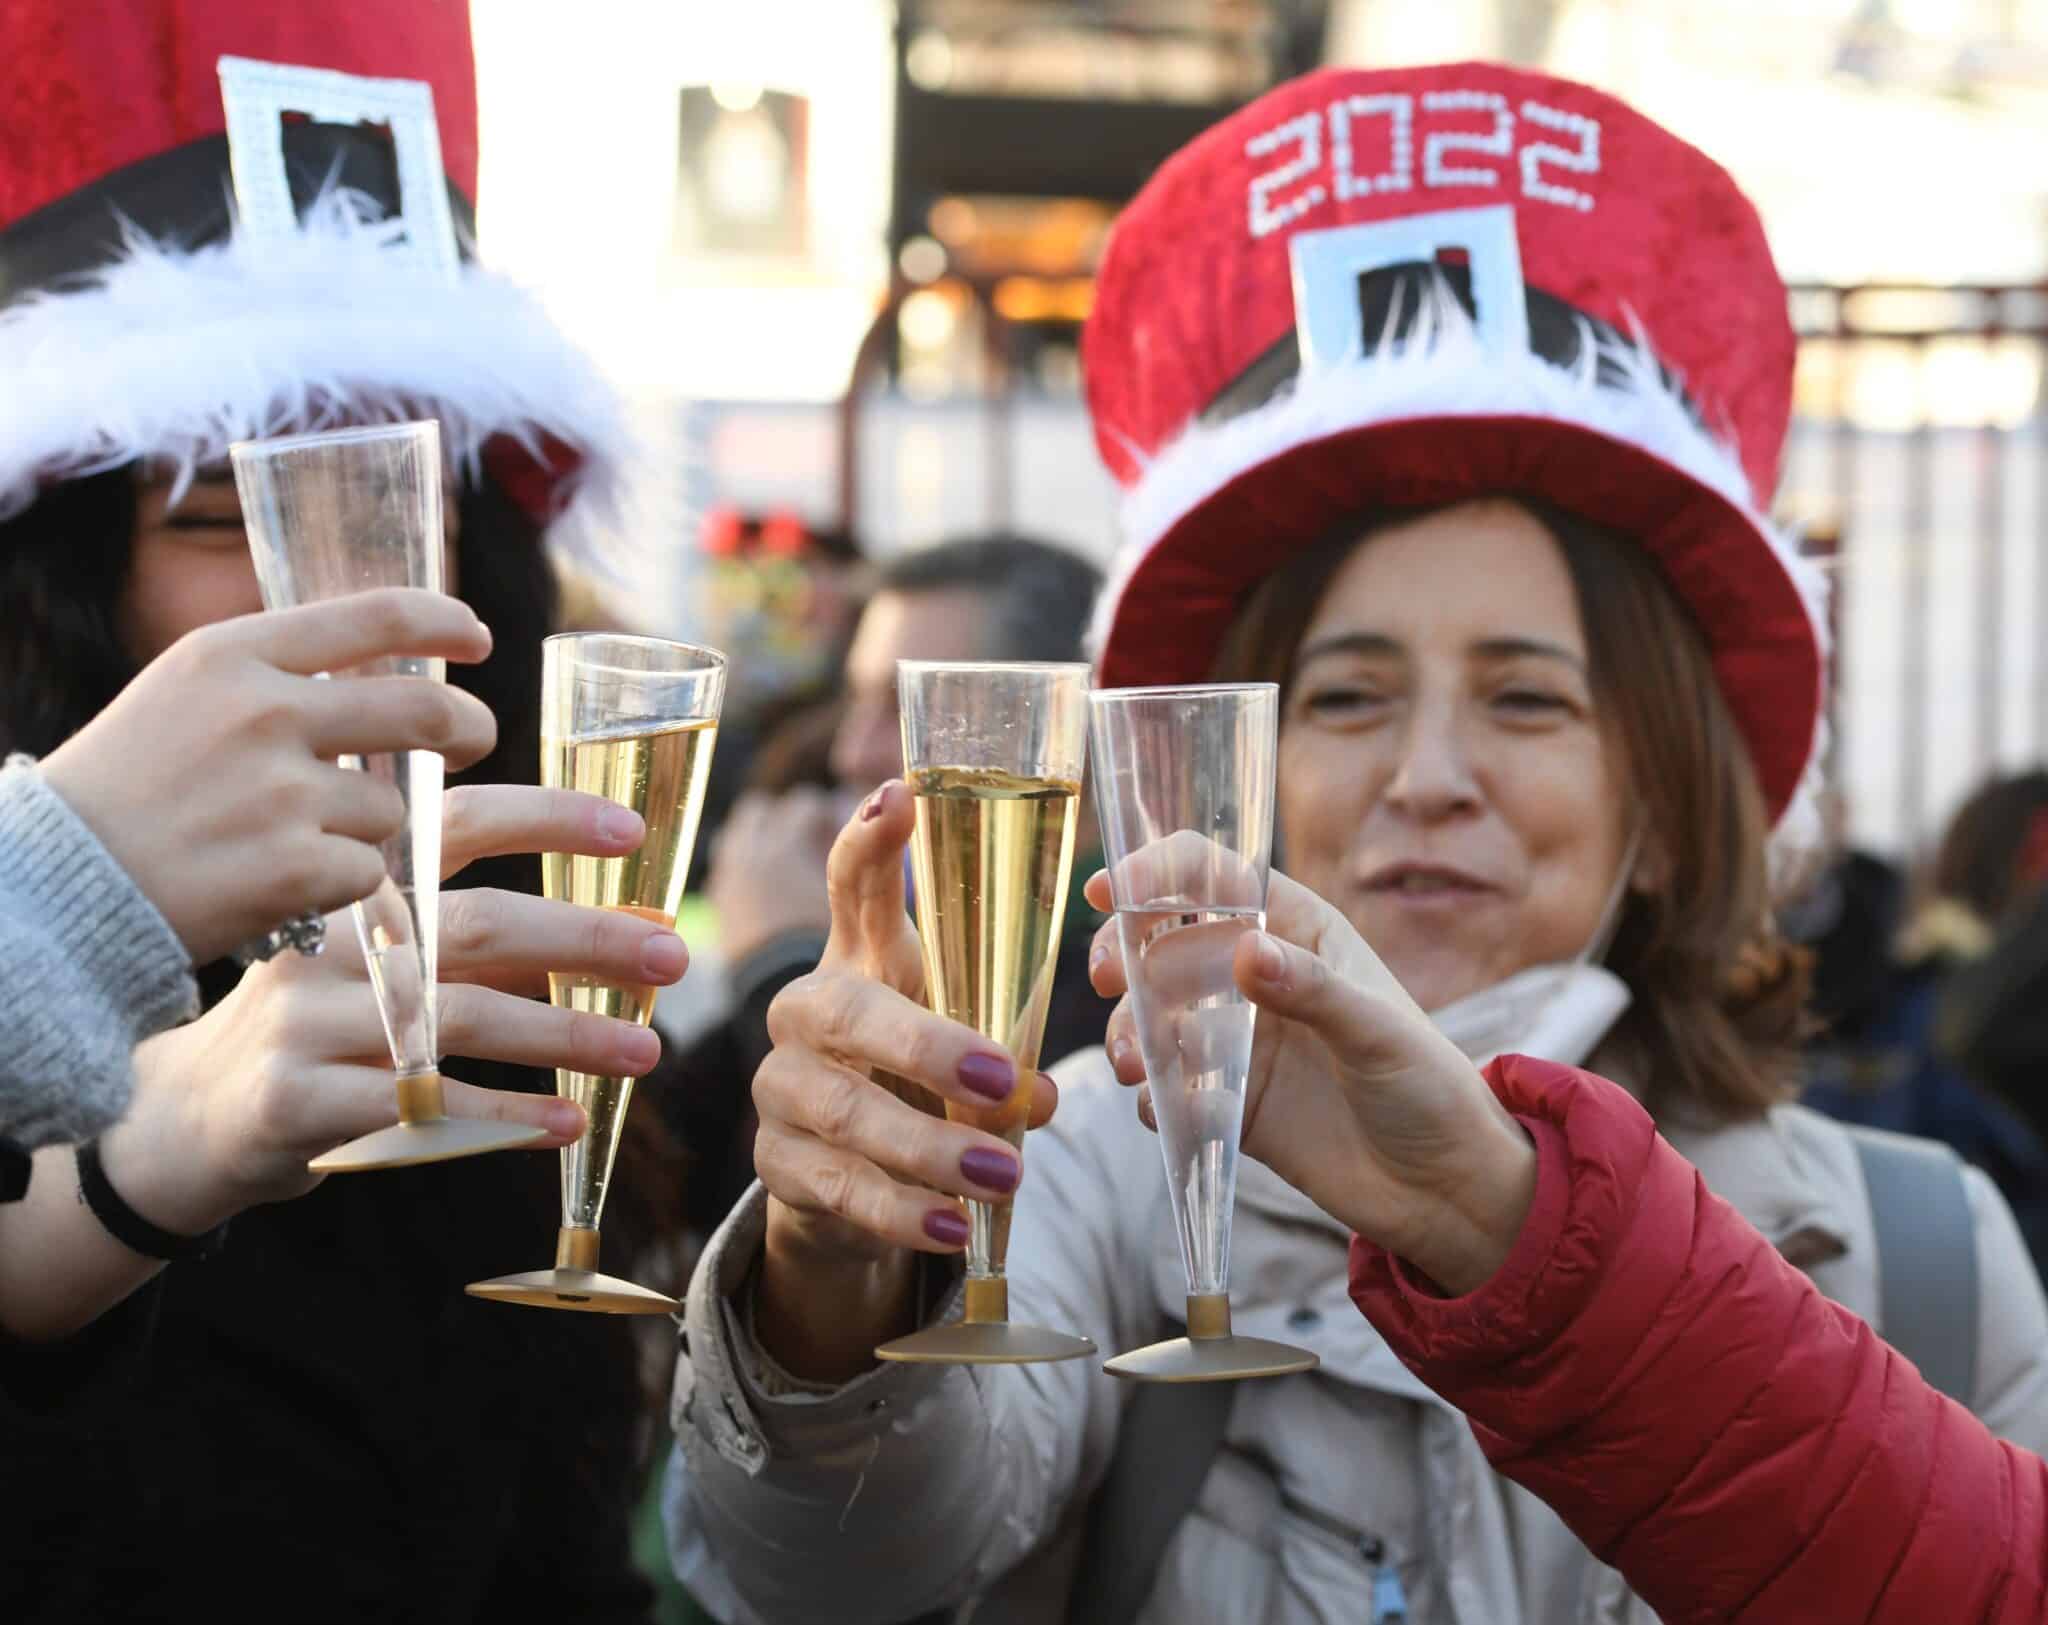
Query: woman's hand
x,y
229,1110
212,778
1354,1097
860,1166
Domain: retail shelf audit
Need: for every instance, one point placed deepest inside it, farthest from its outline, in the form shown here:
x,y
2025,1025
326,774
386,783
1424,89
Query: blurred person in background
x,y
993,597
1880,1058
1408,376
297,1410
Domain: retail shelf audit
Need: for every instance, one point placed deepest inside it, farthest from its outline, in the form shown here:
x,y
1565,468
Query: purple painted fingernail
x,y
990,1076
871,809
946,1225
1098,956
992,1170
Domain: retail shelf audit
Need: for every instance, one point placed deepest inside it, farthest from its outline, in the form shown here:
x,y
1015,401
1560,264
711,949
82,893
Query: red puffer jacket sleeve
x,y
1740,1448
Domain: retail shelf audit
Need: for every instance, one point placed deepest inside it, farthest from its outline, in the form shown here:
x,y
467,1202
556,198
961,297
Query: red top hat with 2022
x,y
1413,286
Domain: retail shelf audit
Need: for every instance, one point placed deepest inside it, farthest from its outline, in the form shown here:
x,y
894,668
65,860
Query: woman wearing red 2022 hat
x,y
1450,400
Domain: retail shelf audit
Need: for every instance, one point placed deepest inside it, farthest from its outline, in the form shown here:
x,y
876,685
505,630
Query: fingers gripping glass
x,y
634,719
340,513
1184,789
993,754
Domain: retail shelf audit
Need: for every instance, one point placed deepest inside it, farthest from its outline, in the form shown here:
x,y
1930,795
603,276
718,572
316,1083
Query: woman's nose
x,y
1433,777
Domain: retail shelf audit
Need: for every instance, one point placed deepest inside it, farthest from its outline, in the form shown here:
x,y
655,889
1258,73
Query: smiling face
x,y
1444,774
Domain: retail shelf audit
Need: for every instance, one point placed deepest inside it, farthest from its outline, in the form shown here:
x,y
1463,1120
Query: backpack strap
x,y
1169,1435
1926,1257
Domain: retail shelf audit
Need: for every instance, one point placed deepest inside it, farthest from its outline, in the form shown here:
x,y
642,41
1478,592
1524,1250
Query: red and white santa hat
x,y
143,315
1617,345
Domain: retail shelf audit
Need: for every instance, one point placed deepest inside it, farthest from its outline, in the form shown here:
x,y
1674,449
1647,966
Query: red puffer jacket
x,y
1741,1448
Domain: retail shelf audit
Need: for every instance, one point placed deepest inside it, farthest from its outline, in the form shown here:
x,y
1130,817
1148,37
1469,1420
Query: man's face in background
x,y
947,623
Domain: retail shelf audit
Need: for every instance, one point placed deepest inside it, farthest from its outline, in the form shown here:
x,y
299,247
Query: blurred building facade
x,y
842,248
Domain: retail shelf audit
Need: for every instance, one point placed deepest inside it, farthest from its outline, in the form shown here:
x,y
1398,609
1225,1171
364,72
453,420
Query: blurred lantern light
x,y
736,95
953,219
922,259
1042,299
926,319
746,167
929,61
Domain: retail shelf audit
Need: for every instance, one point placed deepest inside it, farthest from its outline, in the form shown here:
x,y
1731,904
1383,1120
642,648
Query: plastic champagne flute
x,y
1184,791
634,719
328,515
993,753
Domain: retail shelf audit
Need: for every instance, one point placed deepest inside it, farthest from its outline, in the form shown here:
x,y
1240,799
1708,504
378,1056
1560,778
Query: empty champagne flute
x,y
1184,790
328,515
993,753
635,719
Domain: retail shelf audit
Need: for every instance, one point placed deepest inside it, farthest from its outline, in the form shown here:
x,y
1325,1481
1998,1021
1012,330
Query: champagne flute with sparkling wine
x,y
1184,788
634,719
993,753
337,513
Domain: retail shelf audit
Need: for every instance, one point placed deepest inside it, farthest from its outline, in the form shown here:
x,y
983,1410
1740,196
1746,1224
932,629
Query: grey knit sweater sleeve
x,y
88,968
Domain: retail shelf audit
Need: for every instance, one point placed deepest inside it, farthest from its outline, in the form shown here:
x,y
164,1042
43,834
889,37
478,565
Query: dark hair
x,y
1039,595
1978,861
65,560
62,566
1719,1001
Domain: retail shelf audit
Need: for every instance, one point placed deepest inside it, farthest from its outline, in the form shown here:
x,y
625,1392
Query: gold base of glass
x,y
574,1283
985,1335
424,1133
1211,1352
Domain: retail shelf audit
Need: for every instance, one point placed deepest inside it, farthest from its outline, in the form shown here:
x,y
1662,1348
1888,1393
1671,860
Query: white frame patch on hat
x,y
1329,324
256,97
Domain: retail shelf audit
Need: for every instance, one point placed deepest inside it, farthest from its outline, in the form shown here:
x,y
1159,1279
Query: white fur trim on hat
x,y
172,356
1615,389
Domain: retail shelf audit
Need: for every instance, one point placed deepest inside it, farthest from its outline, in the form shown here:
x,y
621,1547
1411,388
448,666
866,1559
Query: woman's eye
x,y
1342,701
1530,702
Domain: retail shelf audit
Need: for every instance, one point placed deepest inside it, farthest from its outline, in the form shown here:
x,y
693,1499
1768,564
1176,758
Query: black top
x,y
316,1424
312,1431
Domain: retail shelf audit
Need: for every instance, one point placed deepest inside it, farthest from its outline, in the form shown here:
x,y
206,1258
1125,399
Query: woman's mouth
x,y
1425,884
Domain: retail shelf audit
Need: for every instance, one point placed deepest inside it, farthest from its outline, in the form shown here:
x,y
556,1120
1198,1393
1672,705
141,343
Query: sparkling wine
x,y
1195,1034
661,776
992,856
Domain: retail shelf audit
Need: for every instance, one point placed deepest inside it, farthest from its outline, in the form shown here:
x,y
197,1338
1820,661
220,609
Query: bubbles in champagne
x,y
992,856
661,776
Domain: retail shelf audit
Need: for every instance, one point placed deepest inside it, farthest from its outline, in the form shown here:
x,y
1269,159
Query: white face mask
x,y
1554,1012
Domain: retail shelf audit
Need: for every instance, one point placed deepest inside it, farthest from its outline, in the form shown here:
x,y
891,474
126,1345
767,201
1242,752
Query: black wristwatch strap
x,y
130,1228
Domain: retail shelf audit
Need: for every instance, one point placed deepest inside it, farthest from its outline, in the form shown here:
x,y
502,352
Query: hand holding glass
x,y
329,515
993,753
635,719
1184,789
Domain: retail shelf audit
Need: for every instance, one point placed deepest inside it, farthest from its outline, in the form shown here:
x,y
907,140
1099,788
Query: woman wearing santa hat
x,y
299,1413
1450,400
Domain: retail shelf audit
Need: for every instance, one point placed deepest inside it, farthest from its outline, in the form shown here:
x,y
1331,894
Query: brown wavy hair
x,y
1720,1001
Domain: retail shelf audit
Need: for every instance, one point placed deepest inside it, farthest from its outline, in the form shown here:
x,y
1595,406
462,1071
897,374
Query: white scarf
x,y
1556,1012
1552,1012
